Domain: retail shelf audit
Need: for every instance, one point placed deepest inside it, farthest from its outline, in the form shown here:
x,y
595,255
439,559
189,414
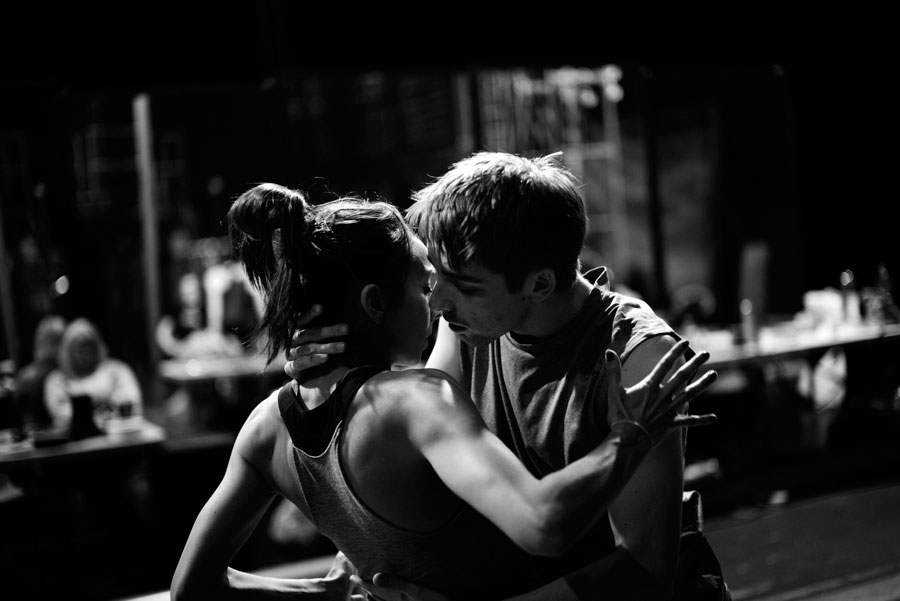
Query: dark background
x,y
797,97
742,121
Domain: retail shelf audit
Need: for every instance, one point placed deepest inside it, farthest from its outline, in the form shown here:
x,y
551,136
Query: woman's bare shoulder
x,y
262,431
415,394
403,383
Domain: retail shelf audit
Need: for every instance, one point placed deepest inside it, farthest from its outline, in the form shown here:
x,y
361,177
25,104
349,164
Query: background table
x,y
141,436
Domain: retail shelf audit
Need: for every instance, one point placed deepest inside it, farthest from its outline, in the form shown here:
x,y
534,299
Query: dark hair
x,y
508,213
300,254
80,330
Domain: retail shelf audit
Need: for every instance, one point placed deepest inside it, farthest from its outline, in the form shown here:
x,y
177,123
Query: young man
x,y
526,333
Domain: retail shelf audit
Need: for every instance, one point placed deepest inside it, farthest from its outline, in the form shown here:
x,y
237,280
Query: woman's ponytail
x,y
269,236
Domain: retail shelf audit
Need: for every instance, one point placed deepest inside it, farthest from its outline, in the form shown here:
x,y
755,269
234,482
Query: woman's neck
x,y
315,390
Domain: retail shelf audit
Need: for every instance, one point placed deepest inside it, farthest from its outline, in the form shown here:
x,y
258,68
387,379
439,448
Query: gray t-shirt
x,y
546,399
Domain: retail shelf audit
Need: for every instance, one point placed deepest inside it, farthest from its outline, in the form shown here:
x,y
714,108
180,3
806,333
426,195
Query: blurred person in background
x,y
396,466
86,369
234,306
30,380
184,332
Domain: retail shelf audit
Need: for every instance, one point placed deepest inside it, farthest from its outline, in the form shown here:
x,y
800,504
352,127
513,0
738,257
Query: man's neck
x,y
553,314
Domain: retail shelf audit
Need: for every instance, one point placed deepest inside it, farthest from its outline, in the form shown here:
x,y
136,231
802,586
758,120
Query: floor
x,y
839,545
823,527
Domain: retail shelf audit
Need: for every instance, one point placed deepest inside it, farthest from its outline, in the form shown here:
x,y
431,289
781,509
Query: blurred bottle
x,y
749,324
82,424
884,278
850,298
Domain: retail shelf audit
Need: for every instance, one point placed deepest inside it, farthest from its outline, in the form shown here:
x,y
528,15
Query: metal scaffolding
x,y
539,112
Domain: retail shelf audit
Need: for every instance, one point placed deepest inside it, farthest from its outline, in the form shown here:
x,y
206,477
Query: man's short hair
x,y
510,214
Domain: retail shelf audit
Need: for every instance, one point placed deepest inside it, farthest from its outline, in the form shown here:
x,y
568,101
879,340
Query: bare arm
x,y
226,522
543,516
645,516
445,353
638,569
56,396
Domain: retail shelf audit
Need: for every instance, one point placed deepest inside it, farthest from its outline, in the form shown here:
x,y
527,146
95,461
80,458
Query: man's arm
x,y
645,516
226,522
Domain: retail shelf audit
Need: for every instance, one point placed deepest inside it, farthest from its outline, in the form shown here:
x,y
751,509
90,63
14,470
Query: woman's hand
x,y
307,349
651,406
384,587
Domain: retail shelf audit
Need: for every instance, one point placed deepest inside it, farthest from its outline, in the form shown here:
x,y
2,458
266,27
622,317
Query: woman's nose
x,y
435,313
439,299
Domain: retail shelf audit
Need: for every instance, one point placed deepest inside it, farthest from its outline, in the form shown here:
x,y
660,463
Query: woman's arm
x,y
230,517
126,388
546,516
56,395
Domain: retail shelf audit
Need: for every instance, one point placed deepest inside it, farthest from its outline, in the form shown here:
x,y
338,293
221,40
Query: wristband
x,y
637,425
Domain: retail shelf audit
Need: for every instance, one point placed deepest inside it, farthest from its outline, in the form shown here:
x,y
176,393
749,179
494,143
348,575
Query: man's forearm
x,y
584,490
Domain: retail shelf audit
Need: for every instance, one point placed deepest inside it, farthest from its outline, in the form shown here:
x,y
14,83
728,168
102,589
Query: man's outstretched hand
x,y
651,406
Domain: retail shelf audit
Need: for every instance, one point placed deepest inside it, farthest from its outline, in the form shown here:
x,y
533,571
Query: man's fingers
x,y
665,364
307,335
307,317
293,369
326,348
685,374
694,389
689,421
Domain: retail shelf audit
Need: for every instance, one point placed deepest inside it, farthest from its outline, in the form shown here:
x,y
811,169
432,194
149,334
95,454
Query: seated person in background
x,y
184,332
29,382
234,307
86,369
395,466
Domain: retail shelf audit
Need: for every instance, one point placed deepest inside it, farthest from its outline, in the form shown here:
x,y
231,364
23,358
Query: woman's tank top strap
x,y
311,429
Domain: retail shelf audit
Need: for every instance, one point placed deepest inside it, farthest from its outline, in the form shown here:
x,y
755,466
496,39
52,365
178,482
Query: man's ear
x,y
374,302
540,284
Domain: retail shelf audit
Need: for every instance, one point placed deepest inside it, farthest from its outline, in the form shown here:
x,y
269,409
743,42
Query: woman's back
x,y
377,498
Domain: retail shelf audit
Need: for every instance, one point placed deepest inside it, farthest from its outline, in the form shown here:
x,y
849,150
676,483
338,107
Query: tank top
x,y
542,397
466,558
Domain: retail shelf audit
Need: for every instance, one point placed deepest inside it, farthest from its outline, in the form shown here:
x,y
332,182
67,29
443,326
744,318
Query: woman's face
x,y
408,325
84,356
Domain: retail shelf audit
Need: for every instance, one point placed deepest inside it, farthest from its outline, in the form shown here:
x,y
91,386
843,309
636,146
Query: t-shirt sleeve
x,y
636,322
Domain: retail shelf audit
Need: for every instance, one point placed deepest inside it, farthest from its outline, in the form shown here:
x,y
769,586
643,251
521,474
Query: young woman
x,y
396,467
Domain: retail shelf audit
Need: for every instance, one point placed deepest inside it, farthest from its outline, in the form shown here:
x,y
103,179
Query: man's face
x,y
476,302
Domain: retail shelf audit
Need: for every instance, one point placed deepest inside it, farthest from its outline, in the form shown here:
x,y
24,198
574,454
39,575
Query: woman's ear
x,y
374,302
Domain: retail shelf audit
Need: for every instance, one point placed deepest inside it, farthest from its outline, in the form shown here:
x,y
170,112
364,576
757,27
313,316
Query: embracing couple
x,y
536,454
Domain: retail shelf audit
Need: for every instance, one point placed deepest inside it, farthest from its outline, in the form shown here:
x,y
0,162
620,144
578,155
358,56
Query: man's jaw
x,y
456,327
